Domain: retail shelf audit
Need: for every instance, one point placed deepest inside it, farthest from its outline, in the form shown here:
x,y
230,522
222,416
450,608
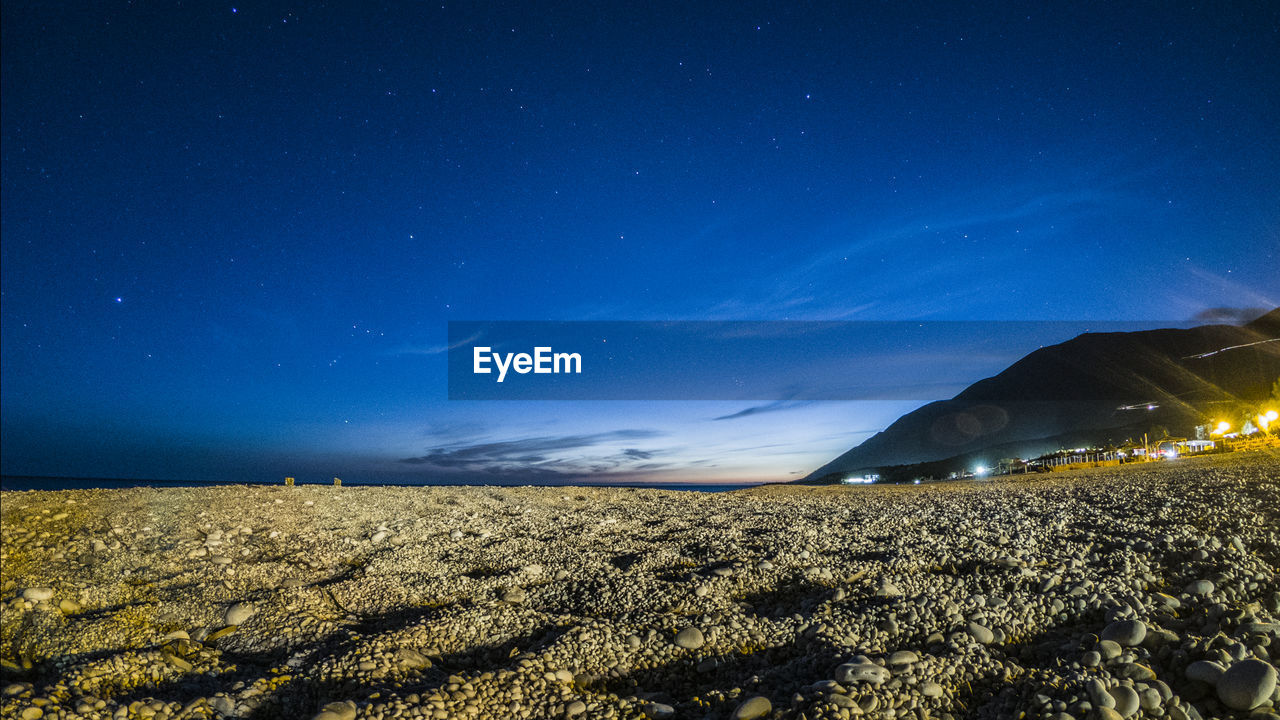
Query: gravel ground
x,y
1142,591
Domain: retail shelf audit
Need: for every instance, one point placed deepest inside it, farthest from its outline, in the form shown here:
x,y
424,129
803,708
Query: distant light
x,y
980,470
1151,407
916,481
234,11
119,299
1271,415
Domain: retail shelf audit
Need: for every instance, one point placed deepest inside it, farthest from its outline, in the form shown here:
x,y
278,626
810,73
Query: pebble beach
x,y
1146,591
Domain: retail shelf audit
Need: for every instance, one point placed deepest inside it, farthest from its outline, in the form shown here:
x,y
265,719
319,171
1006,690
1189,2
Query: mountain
x,y
1096,385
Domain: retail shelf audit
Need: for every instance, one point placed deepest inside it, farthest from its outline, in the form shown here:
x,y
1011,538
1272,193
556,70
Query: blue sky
x,y
232,235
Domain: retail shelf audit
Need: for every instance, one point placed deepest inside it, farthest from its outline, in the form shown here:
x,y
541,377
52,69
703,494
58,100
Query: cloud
x,y
776,406
546,455
1231,315
439,349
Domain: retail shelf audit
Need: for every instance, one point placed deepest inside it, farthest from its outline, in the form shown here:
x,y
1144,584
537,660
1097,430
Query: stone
x,y
1125,632
514,595
753,709
690,638
1247,684
1109,649
904,657
337,711
858,672
1098,694
1206,671
1199,587
658,711
239,613
1105,713
576,708
1126,700
981,633
37,594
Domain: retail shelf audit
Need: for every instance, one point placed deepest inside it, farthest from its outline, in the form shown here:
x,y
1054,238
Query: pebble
x,y
37,594
337,711
1199,587
904,657
1246,684
981,633
1126,700
239,613
690,638
753,708
1125,632
1206,671
861,672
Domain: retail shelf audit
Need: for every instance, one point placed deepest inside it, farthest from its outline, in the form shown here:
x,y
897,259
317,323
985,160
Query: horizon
x,y
233,239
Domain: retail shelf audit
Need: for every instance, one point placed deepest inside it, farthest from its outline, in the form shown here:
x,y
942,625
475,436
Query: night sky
x,y
233,234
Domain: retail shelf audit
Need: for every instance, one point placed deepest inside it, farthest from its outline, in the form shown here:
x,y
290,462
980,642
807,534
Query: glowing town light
x,y
980,470
1223,427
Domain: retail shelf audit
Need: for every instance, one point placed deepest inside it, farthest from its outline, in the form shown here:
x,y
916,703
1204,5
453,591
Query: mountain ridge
x,y
1092,383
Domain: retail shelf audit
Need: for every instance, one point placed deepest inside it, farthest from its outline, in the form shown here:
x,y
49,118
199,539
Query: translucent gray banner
x,y
779,360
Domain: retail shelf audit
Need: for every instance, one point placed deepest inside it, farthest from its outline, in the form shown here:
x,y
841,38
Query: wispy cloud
x,y
439,349
1229,315
546,455
776,406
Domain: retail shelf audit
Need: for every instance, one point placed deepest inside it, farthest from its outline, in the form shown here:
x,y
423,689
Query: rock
x,y
1206,671
68,606
1246,684
412,659
337,711
904,657
224,706
32,713
658,711
514,595
690,638
1199,587
753,709
1098,694
1125,632
888,589
1105,713
37,594
1126,700
931,689
1109,649
576,708
855,672
981,633
239,613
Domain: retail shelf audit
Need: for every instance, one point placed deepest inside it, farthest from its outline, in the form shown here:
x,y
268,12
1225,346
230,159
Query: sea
x,y
17,483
